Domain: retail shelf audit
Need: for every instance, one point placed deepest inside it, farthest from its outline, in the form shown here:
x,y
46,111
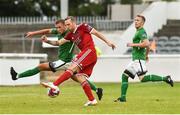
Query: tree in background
x,y
88,7
52,7
130,1
29,7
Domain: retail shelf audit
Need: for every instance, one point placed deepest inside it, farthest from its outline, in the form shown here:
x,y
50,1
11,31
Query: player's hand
x,y
28,34
112,45
147,59
44,38
129,44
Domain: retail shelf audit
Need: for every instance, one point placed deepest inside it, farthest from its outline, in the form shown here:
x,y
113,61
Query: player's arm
x,y
103,38
145,43
147,52
38,32
54,43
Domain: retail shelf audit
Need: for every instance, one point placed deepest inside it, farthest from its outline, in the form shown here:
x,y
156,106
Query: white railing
x,y
89,19
99,22
27,20
112,25
46,20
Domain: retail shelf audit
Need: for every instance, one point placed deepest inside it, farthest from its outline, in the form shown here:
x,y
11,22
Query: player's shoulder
x,y
83,24
68,35
143,30
143,33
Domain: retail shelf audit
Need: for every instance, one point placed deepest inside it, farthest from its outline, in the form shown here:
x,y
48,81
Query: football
x,y
53,92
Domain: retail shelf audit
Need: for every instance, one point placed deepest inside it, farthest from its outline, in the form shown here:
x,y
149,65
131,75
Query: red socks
x,y
67,74
85,85
87,90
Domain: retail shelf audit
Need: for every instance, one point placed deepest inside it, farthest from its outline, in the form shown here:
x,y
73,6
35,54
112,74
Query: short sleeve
x,y
67,36
143,35
87,28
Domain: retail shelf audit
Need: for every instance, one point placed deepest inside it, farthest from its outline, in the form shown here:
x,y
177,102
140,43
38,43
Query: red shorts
x,y
86,60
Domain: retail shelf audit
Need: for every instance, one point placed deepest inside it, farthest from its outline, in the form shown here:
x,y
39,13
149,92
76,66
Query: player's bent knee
x,y
74,68
55,65
81,79
129,74
43,66
74,78
141,78
70,71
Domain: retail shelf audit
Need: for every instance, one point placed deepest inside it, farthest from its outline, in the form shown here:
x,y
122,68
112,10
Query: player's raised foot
x,y
99,93
13,74
120,100
91,103
169,81
49,85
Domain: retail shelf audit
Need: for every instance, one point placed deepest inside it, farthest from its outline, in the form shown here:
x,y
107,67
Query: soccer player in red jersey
x,y
82,65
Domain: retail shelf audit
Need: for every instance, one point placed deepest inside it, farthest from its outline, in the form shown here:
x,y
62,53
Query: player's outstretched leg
x,y
155,78
13,74
26,73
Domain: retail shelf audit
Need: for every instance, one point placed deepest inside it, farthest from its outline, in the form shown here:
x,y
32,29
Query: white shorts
x,y
59,65
137,67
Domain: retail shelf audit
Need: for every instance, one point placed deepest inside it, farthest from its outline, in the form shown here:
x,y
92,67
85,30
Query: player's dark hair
x,y
141,16
59,21
71,18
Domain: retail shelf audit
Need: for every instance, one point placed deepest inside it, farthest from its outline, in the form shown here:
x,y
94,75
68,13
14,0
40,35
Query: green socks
x,y
124,86
93,87
153,78
29,73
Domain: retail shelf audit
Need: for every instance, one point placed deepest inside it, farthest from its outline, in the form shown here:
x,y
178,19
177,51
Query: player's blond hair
x,y
60,21
142,17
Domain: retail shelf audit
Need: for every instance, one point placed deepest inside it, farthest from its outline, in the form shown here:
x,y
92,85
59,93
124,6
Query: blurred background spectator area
x,y
113,17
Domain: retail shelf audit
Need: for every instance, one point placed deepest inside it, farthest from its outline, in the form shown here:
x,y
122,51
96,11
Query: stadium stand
x,y
172,28
168,39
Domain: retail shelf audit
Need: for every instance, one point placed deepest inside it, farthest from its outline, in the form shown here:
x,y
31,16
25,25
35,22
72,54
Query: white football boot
x,y
49,85
91,103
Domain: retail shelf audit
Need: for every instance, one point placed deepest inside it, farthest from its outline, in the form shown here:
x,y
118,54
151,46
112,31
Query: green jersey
x,y
137,52
65,51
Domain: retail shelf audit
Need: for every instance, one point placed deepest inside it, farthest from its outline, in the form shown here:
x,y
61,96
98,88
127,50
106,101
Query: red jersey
x,y
82,37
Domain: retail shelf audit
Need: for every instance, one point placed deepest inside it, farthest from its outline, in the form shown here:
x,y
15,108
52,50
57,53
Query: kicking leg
x,y
30,72
155,78
67,74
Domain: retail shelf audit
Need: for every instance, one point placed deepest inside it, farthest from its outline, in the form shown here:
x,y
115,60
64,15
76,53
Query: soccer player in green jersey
x,y
65,55
137,66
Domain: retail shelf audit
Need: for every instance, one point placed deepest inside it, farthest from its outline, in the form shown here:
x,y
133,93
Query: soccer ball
x,y
53,92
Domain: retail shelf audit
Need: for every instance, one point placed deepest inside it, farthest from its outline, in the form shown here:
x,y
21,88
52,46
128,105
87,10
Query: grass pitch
x,y
142,98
